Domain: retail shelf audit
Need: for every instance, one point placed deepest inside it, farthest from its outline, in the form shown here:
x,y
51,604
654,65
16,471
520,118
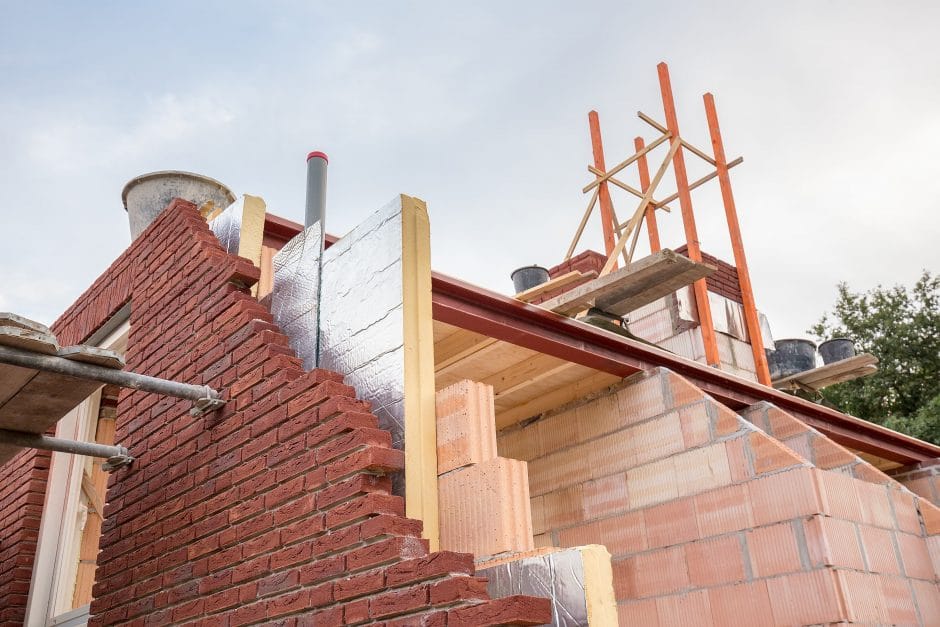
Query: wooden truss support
x,y
607,207
737,244
688,221
651,227
638,215
640,153
662,129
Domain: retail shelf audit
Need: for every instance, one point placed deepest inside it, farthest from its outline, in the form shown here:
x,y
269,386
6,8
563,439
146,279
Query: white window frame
x,y
63,516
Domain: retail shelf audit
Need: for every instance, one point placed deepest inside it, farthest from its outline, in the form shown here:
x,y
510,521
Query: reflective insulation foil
x,y
346,315
362,317
558,576
227,226
295,292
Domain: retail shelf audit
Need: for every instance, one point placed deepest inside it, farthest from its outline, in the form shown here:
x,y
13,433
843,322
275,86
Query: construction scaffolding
x,y
617,234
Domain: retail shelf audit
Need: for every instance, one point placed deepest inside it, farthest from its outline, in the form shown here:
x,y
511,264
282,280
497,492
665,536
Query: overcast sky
x,y
480,109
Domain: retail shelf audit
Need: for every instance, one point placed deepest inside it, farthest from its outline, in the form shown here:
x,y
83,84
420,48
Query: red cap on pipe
x,y
317,153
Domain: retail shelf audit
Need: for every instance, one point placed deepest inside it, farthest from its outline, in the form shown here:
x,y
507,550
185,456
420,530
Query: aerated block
x,y
484,508
466,427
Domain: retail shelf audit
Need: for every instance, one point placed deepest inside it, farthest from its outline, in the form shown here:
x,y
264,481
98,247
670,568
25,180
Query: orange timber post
x,y
651,227
688,221
607,206
737,243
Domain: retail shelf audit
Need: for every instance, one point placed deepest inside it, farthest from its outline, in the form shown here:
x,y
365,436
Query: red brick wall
x,y
276,509
22,489
724,281
586,261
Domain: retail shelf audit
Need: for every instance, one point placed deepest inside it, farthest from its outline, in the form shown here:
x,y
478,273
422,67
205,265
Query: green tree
x,y
901,328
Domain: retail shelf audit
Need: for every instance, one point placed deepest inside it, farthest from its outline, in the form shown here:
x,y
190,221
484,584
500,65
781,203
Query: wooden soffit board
x,y
525,383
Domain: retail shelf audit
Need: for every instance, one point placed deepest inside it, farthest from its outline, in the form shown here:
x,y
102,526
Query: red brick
x,y
399,601
386,551
513,610
359,585
458,589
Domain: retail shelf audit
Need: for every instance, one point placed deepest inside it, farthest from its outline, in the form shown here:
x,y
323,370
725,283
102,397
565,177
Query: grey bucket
x,y
146,196
793,356
836,349
772,364
527,277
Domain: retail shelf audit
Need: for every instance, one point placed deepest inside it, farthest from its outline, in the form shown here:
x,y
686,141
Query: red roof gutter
x,y
495,315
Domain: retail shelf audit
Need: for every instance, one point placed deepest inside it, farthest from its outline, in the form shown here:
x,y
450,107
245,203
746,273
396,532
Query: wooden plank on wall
x,y
421,494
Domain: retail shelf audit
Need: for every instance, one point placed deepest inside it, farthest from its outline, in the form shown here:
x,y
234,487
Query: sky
x,y
480,109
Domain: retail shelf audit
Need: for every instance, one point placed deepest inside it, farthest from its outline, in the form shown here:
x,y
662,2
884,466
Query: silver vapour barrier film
x,y
359,312
557,576
227,226
362,317
294,293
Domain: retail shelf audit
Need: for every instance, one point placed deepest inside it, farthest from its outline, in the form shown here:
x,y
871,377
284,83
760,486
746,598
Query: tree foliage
x,y
901,328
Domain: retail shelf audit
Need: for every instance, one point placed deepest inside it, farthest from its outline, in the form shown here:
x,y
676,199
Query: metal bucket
x,y
146,196
793,356
836,349
527,277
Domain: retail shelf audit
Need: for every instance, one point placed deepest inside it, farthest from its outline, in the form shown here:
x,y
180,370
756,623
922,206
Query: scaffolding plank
x,y
830,374
43,400
12,379
8,319
28,339
93,355
628,289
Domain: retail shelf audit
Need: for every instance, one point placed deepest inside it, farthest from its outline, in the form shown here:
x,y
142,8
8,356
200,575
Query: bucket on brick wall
x,y
527,277
836,349
793,356
147,195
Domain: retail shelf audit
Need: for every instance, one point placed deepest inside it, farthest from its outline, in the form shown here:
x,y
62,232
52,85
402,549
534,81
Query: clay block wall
x,y
712,521
483,499
22,490
812,445
278,508
924,480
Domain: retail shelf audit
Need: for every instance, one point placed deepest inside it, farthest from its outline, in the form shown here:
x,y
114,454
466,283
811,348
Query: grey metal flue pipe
x,y
47,443
316,190
79,370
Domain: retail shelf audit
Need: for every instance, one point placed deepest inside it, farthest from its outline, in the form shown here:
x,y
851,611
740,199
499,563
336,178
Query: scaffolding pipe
x,y
47,443
92,372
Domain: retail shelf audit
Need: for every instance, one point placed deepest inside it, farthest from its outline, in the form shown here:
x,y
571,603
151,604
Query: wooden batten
x,y
421,497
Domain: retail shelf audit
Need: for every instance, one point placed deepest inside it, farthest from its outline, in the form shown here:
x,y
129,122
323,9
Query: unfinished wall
x,y
276,509
924,480
712,521
672,322
22,490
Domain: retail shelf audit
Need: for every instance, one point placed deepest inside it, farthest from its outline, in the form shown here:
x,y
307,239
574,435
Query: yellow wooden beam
x,y
420,423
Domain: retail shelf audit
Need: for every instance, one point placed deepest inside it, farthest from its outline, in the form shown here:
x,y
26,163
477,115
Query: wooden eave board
x,y
525,382
628,289
830,374
493,358
878,462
